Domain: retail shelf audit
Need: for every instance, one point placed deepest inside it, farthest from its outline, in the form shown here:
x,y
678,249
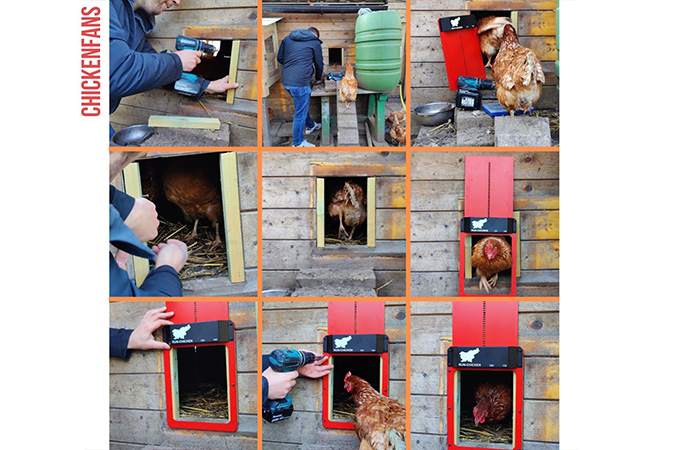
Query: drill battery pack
x,y
276,410
468,100
187,85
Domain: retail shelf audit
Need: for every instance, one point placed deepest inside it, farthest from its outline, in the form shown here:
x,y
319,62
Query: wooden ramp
x,y
347,121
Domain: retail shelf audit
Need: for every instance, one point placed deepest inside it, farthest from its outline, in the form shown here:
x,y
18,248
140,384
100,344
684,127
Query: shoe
x,y
317,126
305,144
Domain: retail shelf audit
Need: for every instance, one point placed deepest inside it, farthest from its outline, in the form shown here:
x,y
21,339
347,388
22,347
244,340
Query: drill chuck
x,y
189,43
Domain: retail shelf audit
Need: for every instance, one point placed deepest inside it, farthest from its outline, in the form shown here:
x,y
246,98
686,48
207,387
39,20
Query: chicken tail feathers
x,y
396,439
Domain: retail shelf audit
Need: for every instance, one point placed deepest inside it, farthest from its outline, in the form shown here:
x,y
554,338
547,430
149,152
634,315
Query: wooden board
x,y
232,216
234,62
201,123
371,212
131,178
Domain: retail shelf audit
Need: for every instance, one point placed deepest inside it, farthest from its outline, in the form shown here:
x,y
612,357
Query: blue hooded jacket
x,y
134,66
300,55
161,282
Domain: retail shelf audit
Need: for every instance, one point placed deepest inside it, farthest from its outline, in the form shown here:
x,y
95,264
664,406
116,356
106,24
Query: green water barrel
x,y
378,50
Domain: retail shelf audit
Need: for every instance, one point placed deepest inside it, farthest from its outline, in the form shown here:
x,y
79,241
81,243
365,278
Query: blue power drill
x,y
188,84
285,361
468,95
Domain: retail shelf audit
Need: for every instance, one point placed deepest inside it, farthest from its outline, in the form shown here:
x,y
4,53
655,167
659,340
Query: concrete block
x,y
522,131
474,128
335,291
319,277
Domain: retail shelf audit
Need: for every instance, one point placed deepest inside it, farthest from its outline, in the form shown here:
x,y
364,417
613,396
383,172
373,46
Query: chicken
x,y
517,73
348,91
380,422
191,185
493,402
398,131
348,205
397,116
490,31
491,255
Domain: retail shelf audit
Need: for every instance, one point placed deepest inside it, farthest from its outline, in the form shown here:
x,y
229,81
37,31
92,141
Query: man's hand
x,y
142,339
316,369
142,219
220,86
279,383
189,59
171,253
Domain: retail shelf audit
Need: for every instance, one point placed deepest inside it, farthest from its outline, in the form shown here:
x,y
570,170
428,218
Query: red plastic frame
x,y
328,423
518,397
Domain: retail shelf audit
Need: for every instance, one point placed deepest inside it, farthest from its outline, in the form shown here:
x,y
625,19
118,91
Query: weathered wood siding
x,y
214,19
137,403
536,30
437,188
336,31
304,325
431,335
289,217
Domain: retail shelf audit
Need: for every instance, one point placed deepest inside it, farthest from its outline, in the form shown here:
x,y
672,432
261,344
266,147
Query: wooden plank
x,y
364,169
391,192
539,225
247,172
537,283
131,177
532,165
286,254
234,62
540,420
540,255
537,23
136,391
201,123
232,217
285,192
232,23
371,212
249,238
511,5
544,47
541,378
429,414
297,164
321,213
219,32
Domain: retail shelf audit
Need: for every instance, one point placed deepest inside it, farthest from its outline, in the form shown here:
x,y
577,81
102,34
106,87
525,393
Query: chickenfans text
x,y
90,61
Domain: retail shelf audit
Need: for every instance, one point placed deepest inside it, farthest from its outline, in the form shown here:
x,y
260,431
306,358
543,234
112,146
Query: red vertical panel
x,y
188,312
342,318
502,178
476,186
462,52
501,324
370,318
467,324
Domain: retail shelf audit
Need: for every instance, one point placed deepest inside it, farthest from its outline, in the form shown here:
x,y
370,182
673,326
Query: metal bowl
x,y
434,114
132,136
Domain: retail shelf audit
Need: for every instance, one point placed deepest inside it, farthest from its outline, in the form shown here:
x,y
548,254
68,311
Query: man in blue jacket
x,y
300,55
134,65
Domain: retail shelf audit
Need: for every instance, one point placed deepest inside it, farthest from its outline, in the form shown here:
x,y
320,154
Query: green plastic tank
x,y
378,50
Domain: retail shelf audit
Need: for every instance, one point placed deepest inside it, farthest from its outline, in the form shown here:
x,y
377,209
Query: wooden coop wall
x,y
538,325
137,416
214,19
289,217
536,29
437,190
335,30
304,325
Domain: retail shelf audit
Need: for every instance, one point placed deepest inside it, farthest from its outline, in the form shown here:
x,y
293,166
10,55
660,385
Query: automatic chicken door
x,y
485,377
200,367
488,244
355,343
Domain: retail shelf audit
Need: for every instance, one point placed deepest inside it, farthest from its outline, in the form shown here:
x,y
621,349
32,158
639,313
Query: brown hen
x,y
194,188
493,402
348,205
348,90
398,131
491,255
517,73
490,31
380,422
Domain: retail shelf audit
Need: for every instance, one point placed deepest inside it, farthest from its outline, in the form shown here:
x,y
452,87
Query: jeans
x,y
300,96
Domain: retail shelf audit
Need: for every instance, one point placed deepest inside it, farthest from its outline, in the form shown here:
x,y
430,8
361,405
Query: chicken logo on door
x,y
341,343
469,356
181,332
478,224
455,22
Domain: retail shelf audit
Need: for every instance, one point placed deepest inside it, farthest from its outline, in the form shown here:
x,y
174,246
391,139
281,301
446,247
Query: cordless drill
x,y
468,95
285,361
188,83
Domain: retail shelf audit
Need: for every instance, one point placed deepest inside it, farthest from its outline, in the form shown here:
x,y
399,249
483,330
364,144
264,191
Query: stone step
x,y
474,128
522,131
337,277
349,290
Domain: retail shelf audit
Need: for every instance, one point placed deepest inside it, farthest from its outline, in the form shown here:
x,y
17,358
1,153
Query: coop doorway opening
x,y
200,383
345,206
187,193
512,15
214,67
368,367
336,56
504,280
490,433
